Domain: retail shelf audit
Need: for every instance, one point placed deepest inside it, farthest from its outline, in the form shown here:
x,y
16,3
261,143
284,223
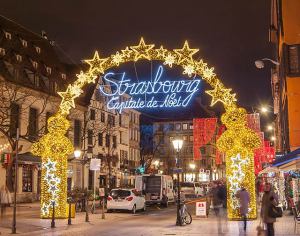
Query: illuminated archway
x,y
237,142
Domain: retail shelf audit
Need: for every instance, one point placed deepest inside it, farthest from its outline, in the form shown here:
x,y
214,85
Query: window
x,y
171,139
191,126
77,133
2,51
178,126
63,76
48,69
92,114
114,141
14,119
8,35
185,138
161,140
293,60
107,140
38,50
33,123
191,138
27,178
102,118
24,43
90,137
53,86
171,127
100,139
184,126
111,120
19,58
34,64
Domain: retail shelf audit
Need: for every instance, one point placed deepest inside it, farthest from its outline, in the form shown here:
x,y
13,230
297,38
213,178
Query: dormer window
x,y
8,35
24,43
34,64
48,69
38,50
63,76
2,51
19,58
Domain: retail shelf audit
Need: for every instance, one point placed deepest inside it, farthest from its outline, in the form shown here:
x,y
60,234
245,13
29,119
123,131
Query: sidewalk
x,y
153,223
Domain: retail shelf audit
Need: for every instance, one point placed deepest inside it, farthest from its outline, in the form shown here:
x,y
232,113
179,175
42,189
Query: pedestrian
x,y
5,199
217,204
269,200
244,199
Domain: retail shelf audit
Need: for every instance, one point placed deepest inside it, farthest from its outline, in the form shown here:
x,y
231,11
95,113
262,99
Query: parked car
x,y
125,199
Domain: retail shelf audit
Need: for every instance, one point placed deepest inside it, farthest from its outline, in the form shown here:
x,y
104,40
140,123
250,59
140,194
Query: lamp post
x,y
260,63
14,223
177,143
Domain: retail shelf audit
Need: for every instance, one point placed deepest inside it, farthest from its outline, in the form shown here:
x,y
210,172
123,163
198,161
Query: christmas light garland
x,y
237,141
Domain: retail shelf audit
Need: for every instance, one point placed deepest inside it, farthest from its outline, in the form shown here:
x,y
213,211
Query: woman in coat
x,y
269,198
244,199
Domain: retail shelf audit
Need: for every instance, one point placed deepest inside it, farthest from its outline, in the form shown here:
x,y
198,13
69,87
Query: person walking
x,y
269,198
5,199
244,199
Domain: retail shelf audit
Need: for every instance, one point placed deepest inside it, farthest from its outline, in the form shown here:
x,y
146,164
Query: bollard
x,y
69,218
53,215
103,202
86,210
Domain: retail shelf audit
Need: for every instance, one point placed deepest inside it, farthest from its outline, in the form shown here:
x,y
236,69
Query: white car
x,y
125,199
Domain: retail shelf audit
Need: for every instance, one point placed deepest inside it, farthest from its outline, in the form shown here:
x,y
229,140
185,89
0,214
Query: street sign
x,y
177,170
95,164
201,209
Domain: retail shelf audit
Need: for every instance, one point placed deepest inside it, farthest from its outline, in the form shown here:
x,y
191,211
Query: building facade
x,y
205,169
32,71
284,35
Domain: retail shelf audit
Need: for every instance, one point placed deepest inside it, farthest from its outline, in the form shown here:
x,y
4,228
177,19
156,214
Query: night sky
x,y
231,34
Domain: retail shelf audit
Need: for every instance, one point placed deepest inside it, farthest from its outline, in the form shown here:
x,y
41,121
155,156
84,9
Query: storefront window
x,y
27,178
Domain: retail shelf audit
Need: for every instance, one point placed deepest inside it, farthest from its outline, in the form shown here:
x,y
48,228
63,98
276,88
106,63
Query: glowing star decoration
x,y
208,72
117,58
221,94
189,70
161,52
237,139
127,52
186,53
85,78
169,60
142,51
96,64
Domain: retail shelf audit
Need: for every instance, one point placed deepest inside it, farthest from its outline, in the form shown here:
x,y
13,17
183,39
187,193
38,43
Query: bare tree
x,y
15,102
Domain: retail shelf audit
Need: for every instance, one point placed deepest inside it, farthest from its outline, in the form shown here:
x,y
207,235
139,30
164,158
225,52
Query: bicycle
x,y
185,216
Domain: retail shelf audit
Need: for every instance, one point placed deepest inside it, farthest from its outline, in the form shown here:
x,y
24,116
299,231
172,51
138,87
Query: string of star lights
x,y
237,142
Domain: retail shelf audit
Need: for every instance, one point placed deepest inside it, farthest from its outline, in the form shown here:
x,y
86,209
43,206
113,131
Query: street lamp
x,y
264,109
273,138
77,153
177,143
270,127
260,64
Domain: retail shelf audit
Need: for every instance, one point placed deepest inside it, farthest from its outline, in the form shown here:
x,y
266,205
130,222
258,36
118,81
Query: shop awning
x,y
28,158
292,156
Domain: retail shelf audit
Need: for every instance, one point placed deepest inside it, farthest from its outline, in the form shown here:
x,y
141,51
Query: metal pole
x,y
86,209
53,215
94,201
178,220
14,228
69,218
103,202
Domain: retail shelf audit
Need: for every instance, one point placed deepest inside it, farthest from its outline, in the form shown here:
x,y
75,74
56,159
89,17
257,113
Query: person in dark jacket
x,y
269,198
244,199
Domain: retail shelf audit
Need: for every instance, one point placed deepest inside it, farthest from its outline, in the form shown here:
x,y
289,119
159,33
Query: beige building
x,y
205,169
